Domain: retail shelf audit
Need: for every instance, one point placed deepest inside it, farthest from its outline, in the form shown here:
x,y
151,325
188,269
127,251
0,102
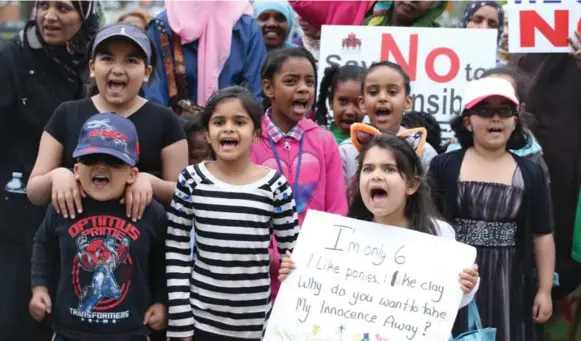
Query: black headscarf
x,y
71,58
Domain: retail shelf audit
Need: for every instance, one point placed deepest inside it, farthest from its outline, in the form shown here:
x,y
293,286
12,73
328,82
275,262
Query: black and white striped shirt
x,y
226,290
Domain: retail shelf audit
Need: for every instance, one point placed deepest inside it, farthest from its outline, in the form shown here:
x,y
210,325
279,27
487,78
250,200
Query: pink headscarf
x,y
211,23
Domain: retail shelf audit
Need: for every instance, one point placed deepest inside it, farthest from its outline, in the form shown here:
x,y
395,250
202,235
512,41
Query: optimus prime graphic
x,y
102,257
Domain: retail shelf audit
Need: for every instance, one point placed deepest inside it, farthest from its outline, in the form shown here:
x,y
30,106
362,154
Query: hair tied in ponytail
x,y
331,70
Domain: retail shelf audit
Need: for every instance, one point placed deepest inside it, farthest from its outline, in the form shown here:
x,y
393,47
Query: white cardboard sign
x,y
358,280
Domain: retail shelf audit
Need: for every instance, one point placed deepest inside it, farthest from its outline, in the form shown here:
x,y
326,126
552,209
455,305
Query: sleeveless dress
x,y
486,216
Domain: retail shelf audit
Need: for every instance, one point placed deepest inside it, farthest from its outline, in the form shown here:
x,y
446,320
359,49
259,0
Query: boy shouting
x,y
110,270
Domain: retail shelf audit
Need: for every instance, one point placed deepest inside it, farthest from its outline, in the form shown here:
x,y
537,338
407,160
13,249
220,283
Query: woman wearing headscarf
x,y
503,54
371,13
204,46
484,14
277,20
40,68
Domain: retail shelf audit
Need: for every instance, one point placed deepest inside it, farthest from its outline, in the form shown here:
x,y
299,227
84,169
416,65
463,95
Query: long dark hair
x,y
419,210
414,119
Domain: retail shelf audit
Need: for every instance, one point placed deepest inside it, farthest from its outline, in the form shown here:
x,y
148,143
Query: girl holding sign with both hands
x,y
389,190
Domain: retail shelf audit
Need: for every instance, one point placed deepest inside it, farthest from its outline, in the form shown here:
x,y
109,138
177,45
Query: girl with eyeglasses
x,y
498,202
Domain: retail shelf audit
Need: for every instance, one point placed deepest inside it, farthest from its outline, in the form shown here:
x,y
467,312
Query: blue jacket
x,y
242,67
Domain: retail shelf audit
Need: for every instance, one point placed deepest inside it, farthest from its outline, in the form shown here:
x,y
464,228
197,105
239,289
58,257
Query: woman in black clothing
x,y
39,69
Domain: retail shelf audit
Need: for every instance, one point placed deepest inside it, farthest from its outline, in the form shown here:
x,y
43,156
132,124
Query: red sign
x,y
542,27
557,34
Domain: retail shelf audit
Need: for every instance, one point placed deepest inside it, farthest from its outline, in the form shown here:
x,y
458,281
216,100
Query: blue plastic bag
x,y
476,333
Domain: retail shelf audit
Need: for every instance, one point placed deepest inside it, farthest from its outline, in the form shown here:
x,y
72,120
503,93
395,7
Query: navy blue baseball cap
x,y
125,31
111,134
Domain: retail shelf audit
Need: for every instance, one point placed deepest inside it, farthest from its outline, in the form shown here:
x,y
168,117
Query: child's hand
x,y
40,304
67,194
542,307
286,267
137,195
469,278
156,317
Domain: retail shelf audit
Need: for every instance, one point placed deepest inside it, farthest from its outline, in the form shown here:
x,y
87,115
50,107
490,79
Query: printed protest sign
x,y
355,279
537,26
439,61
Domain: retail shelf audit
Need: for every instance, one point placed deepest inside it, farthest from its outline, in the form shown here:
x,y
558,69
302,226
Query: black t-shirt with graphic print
x,y
110,269
157,127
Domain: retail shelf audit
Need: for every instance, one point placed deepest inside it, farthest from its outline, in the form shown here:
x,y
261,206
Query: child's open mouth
x,y
116,86
495,130
300,106
378,195
382,112
228,143
382,115
347,121
100,180
345,124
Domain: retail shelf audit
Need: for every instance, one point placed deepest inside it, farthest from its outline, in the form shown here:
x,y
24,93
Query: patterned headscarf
x,y
472,8
72,57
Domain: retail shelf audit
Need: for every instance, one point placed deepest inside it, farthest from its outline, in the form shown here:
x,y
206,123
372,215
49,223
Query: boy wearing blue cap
x,y
111,271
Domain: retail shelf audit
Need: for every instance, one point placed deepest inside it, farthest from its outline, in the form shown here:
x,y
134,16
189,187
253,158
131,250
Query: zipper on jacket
x,y
287,147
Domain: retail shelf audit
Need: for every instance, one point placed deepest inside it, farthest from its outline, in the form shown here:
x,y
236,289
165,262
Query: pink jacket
x,y
321,186
319,13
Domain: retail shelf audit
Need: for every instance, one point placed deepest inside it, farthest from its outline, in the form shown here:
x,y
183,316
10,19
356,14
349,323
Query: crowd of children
x,y
110,263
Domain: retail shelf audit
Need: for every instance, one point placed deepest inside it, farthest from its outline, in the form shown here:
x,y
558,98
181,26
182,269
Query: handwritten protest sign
x,y
356,279
542,26
438,60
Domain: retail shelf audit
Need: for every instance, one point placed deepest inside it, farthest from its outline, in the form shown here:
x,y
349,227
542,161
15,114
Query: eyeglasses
x,y
95,159
489,112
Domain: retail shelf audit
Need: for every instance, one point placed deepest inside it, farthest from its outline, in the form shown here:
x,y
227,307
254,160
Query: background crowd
x,y
52,81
